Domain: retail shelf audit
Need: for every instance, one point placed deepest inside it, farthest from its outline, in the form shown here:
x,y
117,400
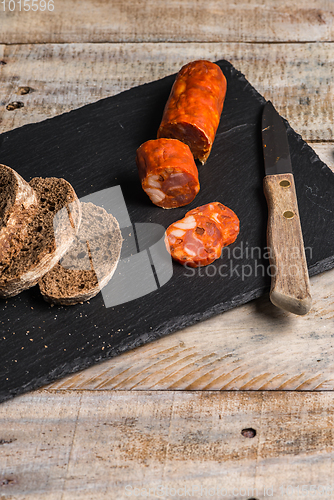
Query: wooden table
x,y
171,414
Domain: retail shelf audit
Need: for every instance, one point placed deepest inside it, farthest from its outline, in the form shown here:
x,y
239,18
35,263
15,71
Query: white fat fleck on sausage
x,y
189,252
178,233
153,182
155,194
187,223
215,217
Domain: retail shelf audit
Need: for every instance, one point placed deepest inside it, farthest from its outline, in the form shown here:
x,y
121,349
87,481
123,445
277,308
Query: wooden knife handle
x,y
290,286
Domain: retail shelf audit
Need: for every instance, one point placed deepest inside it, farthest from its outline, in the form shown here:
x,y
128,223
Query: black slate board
x,y
94,149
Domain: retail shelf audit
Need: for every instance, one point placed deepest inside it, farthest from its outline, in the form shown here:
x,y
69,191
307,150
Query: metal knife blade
x,y
290,287
275,142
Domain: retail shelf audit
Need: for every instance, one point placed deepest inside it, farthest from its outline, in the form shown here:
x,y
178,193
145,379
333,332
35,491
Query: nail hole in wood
x,y
24,90
2,63
6,441
285,183
248,433
14,105
6,481
288,214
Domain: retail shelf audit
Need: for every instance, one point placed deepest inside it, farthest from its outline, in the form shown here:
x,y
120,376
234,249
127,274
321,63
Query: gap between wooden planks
x,y
88,446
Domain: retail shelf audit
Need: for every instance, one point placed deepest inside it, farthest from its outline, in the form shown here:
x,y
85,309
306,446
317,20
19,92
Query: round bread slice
x,y
90,262
18,204
49,235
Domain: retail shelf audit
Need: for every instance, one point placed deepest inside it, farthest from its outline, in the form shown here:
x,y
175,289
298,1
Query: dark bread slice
x,y
49,235
18,204
89,263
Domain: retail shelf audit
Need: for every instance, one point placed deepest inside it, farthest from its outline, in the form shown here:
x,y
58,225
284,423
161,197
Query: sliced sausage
x,y
168,172
195,240
225,217
193,109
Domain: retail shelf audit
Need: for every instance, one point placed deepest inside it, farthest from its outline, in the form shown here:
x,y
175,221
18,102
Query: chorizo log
x,y
225,217
167,172
195,240
193,109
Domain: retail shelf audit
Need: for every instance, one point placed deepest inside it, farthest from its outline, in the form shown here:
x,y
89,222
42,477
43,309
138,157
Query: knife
x,y
290,286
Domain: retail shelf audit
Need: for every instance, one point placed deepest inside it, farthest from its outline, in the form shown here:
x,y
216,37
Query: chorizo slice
x,y
195,240
225,217
194,106
167,172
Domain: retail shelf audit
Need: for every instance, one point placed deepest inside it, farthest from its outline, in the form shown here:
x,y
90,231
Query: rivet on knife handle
x,y
290,287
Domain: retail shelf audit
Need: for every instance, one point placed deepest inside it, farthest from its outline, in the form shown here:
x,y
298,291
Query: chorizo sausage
x,y
225,217
193,109
195,240
167,172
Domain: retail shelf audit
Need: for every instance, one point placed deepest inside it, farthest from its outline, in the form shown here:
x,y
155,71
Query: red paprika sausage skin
x,y
225,217
193,109
195,240
167,172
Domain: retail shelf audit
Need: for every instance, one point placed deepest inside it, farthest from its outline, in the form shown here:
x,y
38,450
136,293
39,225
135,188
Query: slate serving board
x,y
94,149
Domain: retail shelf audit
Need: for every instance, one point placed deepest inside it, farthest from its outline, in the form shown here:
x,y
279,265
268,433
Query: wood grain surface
x,y
297,78
157,20
89,445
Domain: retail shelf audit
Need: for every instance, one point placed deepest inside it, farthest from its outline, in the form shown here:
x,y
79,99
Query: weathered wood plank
x,y
253,347
176,20
299,79
84,446
325,151
52,426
